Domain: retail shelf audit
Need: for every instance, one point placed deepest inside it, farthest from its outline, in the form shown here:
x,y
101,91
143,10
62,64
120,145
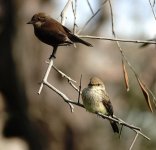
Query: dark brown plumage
x,y
53,33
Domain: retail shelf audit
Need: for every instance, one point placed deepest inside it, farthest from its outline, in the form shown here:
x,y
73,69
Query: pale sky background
x,y
133,18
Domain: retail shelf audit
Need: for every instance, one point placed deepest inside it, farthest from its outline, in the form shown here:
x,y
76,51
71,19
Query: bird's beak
x,y
30,22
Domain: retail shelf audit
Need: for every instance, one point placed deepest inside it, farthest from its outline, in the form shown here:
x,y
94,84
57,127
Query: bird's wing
x,y
54,28
66,29
107,103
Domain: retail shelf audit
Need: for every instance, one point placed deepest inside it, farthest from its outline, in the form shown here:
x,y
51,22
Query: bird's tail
x,y
114,127
76,39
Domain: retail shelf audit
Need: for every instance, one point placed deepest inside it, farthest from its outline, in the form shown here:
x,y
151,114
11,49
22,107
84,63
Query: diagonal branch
x,y
70,80
135,138
90,7
63,74
64,12
45,78
65,98
74,8
124,56
152,8
92,17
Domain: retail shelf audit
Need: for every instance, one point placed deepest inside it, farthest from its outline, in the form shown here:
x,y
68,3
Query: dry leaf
x,y
146,95
125,75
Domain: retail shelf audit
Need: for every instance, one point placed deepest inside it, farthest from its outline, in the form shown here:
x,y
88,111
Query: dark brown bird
x,y
53,33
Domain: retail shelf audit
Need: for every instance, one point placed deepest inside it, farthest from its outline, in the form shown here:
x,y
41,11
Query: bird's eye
x,y
98,84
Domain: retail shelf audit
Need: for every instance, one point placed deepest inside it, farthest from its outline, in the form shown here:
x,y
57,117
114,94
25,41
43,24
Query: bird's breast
x,y
43,36
92,100
48,37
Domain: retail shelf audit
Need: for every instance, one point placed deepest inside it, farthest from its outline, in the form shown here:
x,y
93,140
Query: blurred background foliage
x,y
44,122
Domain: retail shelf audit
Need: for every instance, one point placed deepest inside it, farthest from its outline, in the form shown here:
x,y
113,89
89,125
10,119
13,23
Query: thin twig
x,y
123,123
63,74
120,120
136,130
118,44
45,82
124,56
152,9
65,98
64,12
74,86
79,89
70,80
45,78
116,39
91,17
74,8
133,141
90,7
153,3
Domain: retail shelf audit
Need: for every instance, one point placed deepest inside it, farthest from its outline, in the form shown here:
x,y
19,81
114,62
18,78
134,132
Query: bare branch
x,y
63,74
153,3
152,9
119,121
65,98
133,141
74,8
64,12
46,75
74,86
79,89
116,39
91,9
70,80
92,17
121,50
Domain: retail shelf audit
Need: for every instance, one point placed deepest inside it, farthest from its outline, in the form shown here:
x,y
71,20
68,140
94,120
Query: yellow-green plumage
x,y
92,100
96,100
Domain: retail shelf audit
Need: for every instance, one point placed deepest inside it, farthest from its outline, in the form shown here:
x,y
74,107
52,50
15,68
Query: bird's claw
x,y
52,56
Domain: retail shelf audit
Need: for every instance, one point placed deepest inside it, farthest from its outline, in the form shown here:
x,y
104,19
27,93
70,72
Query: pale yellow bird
x,y
96,100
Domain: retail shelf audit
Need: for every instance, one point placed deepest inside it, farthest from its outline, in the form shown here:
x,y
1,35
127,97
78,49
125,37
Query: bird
x,y
96,100
53,33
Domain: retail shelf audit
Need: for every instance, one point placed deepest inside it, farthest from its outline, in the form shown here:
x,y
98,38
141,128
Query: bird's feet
x,y
52,56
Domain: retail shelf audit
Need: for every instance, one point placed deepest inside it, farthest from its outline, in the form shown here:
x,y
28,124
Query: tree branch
x,y
64,12
116,39
87,22
71,102
135,138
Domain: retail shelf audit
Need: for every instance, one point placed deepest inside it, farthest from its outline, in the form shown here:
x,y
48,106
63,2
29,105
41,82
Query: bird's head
x,y
38,19
95,81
